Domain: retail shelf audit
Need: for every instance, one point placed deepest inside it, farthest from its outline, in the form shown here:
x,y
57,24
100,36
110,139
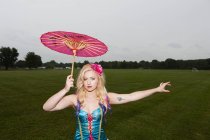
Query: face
x,y
90,81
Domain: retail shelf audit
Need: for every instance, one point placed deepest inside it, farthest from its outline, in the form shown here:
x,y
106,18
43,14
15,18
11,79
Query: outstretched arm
x,y
125,98
59,101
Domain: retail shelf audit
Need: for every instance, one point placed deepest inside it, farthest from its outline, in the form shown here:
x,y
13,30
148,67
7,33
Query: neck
x,y
91,94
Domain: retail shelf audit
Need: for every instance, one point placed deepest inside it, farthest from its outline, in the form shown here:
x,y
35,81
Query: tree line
x,y
8,59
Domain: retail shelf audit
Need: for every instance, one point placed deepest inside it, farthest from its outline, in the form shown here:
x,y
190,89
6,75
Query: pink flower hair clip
x,y
97,68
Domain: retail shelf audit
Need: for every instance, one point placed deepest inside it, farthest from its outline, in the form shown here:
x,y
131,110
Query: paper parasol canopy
x,y
73,44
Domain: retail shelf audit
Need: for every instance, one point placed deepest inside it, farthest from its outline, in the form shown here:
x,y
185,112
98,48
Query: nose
x,y
88,82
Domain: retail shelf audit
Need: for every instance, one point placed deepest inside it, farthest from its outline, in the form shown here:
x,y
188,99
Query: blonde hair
x,y
100,89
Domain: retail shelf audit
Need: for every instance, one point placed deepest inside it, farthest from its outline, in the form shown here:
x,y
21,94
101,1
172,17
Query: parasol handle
x,y
72,65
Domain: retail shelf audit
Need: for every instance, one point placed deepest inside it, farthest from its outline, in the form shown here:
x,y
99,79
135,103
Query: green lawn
x,y
182,115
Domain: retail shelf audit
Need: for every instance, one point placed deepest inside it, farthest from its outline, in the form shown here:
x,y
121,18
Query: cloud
x,y
137,30
174,45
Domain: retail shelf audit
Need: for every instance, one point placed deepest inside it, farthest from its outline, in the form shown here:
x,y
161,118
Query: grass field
x,y
182,115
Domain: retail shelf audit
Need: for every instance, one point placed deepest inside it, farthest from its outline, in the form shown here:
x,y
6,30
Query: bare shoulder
x,y
71,98
112,94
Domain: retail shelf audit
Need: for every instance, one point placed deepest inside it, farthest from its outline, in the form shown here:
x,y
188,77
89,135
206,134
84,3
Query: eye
x,y
85,79
93,78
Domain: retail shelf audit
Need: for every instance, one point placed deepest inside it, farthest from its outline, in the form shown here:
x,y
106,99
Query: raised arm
x,y
134,96
59,101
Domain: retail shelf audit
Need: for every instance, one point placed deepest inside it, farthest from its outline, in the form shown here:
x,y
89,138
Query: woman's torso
x,y
90,125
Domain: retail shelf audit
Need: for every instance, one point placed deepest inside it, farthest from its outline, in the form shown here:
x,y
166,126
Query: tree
x,y
33,60
155,64
144,64
8,56
51,64
86,62
20,64
171,63
123,64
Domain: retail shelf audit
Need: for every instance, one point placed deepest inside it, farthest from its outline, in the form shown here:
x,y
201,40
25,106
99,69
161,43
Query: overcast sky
x,y
133,30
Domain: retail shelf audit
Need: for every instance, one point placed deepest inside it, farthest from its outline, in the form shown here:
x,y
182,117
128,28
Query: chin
x,y
90,90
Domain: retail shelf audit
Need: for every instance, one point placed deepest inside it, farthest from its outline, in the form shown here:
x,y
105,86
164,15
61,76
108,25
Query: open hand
x,y
69,82
162,86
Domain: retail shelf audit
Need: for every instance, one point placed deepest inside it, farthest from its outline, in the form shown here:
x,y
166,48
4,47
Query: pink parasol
x,y
73,44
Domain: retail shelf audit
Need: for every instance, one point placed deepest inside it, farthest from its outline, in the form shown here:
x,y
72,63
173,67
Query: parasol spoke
x,y
87,53
96,51
56,34
94,48
92,53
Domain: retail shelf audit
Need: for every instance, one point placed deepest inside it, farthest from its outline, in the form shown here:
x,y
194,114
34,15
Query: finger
x,y
168,82
69,76
71,79
166,91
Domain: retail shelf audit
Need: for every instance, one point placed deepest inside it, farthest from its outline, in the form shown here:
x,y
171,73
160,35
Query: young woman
x,y
92,101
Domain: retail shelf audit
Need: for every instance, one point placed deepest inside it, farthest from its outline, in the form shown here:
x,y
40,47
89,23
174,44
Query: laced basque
x,y
103,107
90,124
